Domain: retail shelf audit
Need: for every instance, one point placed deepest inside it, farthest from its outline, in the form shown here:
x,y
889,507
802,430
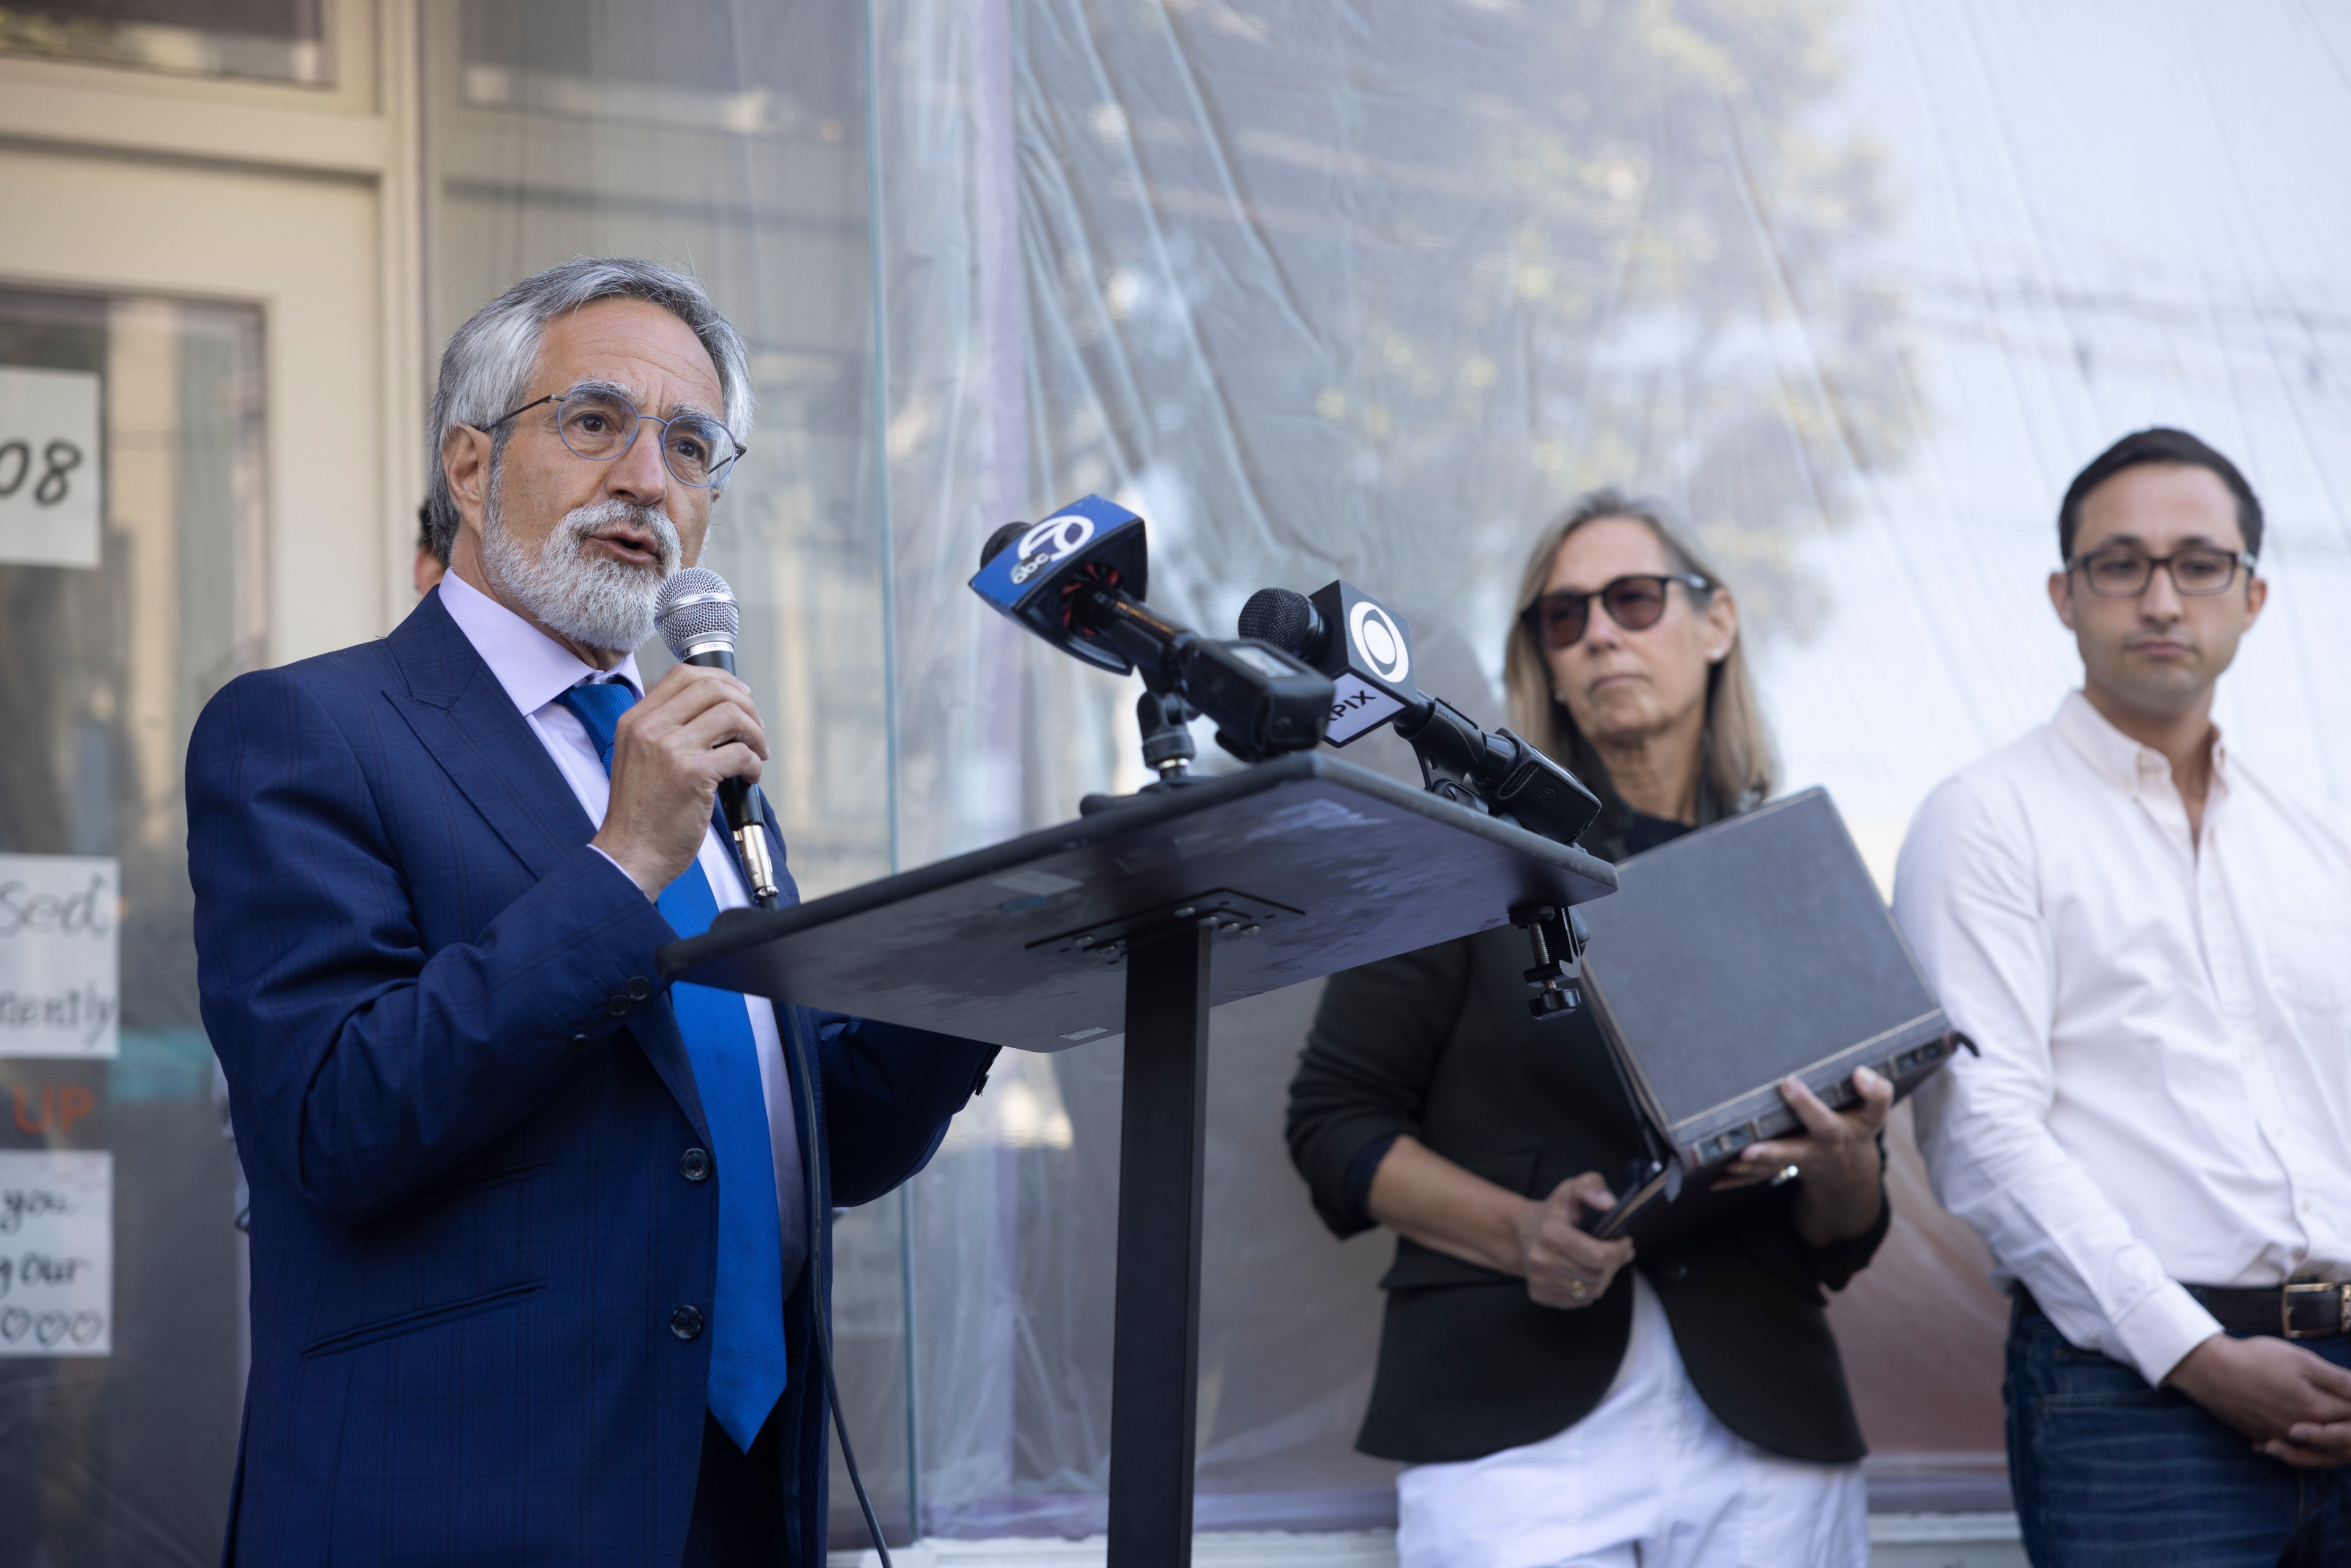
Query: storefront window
x,y
130,590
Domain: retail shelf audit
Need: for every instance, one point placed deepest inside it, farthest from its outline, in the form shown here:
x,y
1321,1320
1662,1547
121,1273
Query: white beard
x,y
588,598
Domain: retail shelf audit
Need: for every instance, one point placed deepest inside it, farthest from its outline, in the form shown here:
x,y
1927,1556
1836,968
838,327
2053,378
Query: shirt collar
x,y
534,668
2116,756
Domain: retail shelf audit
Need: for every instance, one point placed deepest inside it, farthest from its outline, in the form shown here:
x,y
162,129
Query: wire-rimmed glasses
x,y
600,425
2123,571
1634,602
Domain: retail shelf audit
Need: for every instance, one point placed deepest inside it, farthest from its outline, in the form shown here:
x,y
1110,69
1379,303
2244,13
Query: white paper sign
x,y
60,956
56,1253
49,466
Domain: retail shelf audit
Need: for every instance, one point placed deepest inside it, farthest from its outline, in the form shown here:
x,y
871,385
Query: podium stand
x,y
1139,919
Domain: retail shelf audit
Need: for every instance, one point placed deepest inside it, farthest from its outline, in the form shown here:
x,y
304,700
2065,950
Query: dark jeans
x,y
2110,1473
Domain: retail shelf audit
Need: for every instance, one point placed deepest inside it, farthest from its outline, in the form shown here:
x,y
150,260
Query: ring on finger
x,y
1785,1175
1575,1287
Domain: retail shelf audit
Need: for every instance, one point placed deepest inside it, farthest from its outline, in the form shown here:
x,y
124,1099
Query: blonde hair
x,y
1738,770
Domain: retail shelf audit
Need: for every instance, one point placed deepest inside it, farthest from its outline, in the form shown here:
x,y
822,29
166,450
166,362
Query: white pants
x,y
1651,1479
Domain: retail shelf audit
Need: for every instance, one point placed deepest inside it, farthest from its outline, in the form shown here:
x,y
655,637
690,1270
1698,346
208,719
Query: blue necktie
x,y
747,1349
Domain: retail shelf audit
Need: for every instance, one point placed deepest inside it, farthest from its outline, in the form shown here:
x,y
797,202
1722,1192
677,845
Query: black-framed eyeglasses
x,y
2121,571
1634,602
600,425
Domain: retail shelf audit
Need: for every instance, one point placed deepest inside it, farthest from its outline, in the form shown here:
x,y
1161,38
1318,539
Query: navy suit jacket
x,y
463,1106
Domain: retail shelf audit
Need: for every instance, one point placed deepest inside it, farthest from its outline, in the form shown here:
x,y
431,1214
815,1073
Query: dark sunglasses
x,y
1634,602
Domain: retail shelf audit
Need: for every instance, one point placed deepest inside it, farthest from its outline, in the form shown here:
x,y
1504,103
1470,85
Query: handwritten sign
x,y
60,956
56,1253
50,463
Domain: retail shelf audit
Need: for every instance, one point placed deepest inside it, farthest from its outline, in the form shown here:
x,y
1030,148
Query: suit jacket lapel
x,y
471,728
469,725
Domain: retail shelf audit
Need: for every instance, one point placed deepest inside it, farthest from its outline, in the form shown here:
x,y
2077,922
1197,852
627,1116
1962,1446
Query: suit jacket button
x,y
686,1322
1676,1271
618,1006
638,988
580,1042
694,1164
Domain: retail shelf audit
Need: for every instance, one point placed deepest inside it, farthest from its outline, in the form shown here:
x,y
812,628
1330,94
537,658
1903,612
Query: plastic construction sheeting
x,y
1372,290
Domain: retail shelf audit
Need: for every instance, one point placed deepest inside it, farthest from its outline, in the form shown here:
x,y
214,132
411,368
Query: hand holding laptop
x,y
1837,1159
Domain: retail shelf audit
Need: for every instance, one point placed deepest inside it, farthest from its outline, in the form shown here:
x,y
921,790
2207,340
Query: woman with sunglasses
x,y
1557,1399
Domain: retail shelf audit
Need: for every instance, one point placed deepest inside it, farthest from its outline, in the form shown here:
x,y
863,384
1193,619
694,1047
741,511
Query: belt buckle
x,y
2311,1289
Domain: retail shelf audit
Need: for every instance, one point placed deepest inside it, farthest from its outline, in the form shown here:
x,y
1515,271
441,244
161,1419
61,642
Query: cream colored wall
x,y
301,200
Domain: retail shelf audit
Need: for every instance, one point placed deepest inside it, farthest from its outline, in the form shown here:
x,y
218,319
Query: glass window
x,y
131,574
269,40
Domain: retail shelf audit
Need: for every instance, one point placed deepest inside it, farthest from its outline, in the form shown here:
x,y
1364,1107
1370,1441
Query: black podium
x,y
1139,919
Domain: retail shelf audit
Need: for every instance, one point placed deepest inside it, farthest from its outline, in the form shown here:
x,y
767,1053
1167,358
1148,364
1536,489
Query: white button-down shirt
x,y
2165,1089
536,671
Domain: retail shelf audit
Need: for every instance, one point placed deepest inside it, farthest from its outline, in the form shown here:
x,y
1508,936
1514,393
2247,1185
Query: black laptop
x,y
1748,951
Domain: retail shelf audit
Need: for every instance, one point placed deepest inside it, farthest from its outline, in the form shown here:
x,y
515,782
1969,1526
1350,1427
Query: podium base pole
x,y
1155,1354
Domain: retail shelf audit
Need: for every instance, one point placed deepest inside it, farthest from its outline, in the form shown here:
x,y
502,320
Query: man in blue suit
x,y
533,1279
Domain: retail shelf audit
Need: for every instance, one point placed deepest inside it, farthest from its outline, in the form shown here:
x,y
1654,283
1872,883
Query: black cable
x,y
820,1259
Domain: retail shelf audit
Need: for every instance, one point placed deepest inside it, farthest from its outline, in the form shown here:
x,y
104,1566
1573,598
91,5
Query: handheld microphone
x,y
698,620
1076,579
1364,648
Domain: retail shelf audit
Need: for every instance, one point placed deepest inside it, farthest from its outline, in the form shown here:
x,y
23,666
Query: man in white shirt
x,y
2151,943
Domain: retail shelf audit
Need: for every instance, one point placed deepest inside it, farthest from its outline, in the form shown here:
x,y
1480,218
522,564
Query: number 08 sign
x,y
48,466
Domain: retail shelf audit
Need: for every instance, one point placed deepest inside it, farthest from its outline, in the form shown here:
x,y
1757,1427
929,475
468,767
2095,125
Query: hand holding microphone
x,y
694,727
695,741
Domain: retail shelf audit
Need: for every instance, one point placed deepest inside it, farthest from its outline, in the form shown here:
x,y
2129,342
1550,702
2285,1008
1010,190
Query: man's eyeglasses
x,y
1634,602
2119,571
600,425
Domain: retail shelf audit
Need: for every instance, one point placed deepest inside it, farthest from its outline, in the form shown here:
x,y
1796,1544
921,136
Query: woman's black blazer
x,y
1439,1044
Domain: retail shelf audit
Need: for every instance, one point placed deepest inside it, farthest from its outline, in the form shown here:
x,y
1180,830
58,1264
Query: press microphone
x,y
1366,650
698,619
1364,647
1077,579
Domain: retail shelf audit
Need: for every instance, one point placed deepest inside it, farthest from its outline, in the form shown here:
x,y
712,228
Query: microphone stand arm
x,y
1150,642
1264,702
1456,758
1494,771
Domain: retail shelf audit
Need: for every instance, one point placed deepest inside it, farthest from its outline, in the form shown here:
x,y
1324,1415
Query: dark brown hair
x,y
2158,443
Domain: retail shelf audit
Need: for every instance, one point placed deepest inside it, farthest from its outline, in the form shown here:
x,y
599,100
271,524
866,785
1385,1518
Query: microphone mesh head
x,y
997,541
1279,616
696,607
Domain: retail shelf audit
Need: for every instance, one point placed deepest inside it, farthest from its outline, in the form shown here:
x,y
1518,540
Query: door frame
x,y
362,130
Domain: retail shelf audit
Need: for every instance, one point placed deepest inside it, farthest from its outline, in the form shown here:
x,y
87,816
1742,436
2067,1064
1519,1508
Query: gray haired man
x,y
538,1239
